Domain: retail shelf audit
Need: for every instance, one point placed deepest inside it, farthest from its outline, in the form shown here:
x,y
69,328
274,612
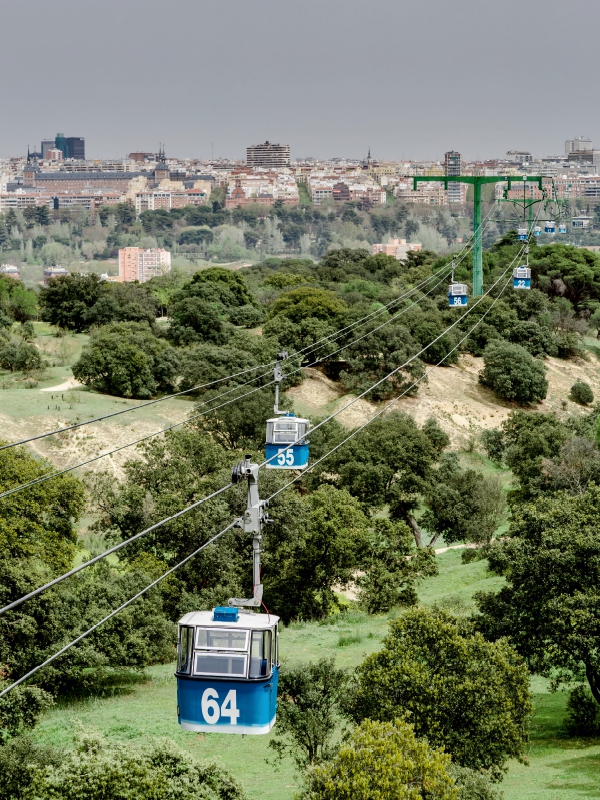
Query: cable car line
x,y
236,522
116,611
466,247
412,358
49,476
111,550
392,402
118,546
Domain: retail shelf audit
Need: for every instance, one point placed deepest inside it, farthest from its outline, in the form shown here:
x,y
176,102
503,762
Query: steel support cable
x,y
56,474
402,366
116,611
111,550
335,334
200,386
231,525
392,402
117,547
131,600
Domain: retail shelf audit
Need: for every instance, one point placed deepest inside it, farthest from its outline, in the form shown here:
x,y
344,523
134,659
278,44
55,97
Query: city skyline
x,y
410,79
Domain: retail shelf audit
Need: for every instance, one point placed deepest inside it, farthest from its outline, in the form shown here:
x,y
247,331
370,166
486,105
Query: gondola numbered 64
x,y
227,671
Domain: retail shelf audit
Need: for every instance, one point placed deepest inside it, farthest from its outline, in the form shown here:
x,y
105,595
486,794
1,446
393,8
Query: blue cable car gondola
x,y
287,446
550,227
522,234
562,229
537,231
286,443
458,294
227,671
521,278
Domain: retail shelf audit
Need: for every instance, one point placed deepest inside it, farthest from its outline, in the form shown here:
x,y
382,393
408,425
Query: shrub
x,y
513,373
27,331
581,393
98,770
583,713
473,785
20,357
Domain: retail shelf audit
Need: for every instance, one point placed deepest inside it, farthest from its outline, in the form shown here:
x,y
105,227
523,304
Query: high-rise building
x,y
47,144
452,165
70,146
579,145
76,147
269,155
137,264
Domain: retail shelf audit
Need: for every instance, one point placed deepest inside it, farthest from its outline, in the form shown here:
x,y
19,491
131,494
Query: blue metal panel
x,y
227,706
457,300
294,457
521,283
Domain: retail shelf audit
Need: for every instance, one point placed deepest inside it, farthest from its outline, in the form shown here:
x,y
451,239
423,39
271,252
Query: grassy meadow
x,y
559,768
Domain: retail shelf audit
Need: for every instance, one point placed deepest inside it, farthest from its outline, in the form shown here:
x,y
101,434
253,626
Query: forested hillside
x,y
354,535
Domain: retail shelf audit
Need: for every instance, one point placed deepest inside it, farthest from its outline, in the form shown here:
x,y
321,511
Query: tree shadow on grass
x,y
581,773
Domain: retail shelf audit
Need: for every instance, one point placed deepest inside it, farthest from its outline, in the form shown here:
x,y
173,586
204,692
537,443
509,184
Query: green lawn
x,y
26,410
560,768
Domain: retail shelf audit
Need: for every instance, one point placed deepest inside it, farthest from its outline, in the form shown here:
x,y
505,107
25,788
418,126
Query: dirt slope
x,y
452,395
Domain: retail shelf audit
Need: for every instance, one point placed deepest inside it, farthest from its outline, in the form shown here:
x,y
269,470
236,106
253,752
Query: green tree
x,y
383,760
20,357
67,299
193,320
127,360
39,522
387,463
17,302
308,711
513,373
20,710
230,280
461,691
392,567
525,442
306,302
463,505
550,605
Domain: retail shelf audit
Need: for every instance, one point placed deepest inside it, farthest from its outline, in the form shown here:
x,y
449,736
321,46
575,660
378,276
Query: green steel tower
x,y
477,181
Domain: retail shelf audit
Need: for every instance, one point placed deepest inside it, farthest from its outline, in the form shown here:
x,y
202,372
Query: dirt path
x,y
71,383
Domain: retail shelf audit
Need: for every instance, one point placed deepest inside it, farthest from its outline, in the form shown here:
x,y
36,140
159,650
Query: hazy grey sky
x,y
410,78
